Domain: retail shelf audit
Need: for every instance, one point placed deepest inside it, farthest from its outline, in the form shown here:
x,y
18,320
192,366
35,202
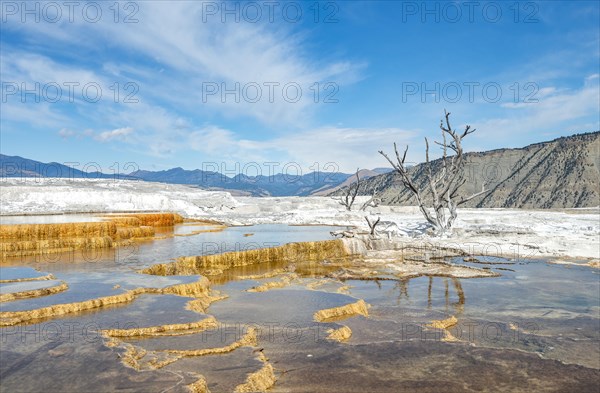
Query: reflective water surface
x,y
534,328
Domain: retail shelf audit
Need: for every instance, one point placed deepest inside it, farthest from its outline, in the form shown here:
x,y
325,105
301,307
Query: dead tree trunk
x,y
444,184
372,202
372,225
348,199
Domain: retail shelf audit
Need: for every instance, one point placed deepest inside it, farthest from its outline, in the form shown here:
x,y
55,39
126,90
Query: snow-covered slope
x,y
52,195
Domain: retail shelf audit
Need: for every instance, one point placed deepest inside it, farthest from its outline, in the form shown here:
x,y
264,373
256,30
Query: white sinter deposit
x,y
505,232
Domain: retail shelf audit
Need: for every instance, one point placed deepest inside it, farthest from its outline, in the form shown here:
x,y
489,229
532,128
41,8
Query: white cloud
x,y
335,148
172,36
559,112
554,107
119,134
65,133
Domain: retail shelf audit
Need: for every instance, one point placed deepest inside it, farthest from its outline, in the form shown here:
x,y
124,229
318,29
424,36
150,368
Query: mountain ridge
x,y
561,173
240,184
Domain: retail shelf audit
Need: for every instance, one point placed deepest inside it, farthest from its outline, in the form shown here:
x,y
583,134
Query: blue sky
x,y
519,72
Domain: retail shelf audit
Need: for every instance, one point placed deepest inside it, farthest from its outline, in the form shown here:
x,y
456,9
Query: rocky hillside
x,y
328,189
562,173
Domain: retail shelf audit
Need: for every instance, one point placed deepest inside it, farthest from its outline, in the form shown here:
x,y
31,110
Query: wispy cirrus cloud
x,y
555,108
173,56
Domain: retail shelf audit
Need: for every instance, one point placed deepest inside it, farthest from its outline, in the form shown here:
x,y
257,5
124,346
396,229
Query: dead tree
x,y
372,225
372,202
351,193
444,184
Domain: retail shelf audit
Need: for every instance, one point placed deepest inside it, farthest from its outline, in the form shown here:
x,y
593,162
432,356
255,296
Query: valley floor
x,y
567,234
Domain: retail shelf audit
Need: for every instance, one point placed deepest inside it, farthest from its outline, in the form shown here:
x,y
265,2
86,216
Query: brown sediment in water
x,y
272,273
313,285
284,282
443,323
248,340
47,277
292,252
132,355
124,221
212,272
341,334
139,232
7,297
478,261
217,228
36,239
448,337
171,329
148,219
9,318
349,310
57,231
45,246
317,283
142,360
195,289
201,304
258,381
199,386
139,359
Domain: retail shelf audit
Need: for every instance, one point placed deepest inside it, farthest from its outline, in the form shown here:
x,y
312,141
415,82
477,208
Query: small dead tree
x,y
351,193
372,202
372,224
444,184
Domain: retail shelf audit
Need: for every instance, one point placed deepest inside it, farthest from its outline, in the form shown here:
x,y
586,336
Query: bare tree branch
x,y
372,225
372,202
400,167
467,199
443,185
352,192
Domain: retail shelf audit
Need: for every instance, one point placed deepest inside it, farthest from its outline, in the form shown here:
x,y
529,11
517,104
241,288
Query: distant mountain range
x,y
15,166
562,173
275,185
